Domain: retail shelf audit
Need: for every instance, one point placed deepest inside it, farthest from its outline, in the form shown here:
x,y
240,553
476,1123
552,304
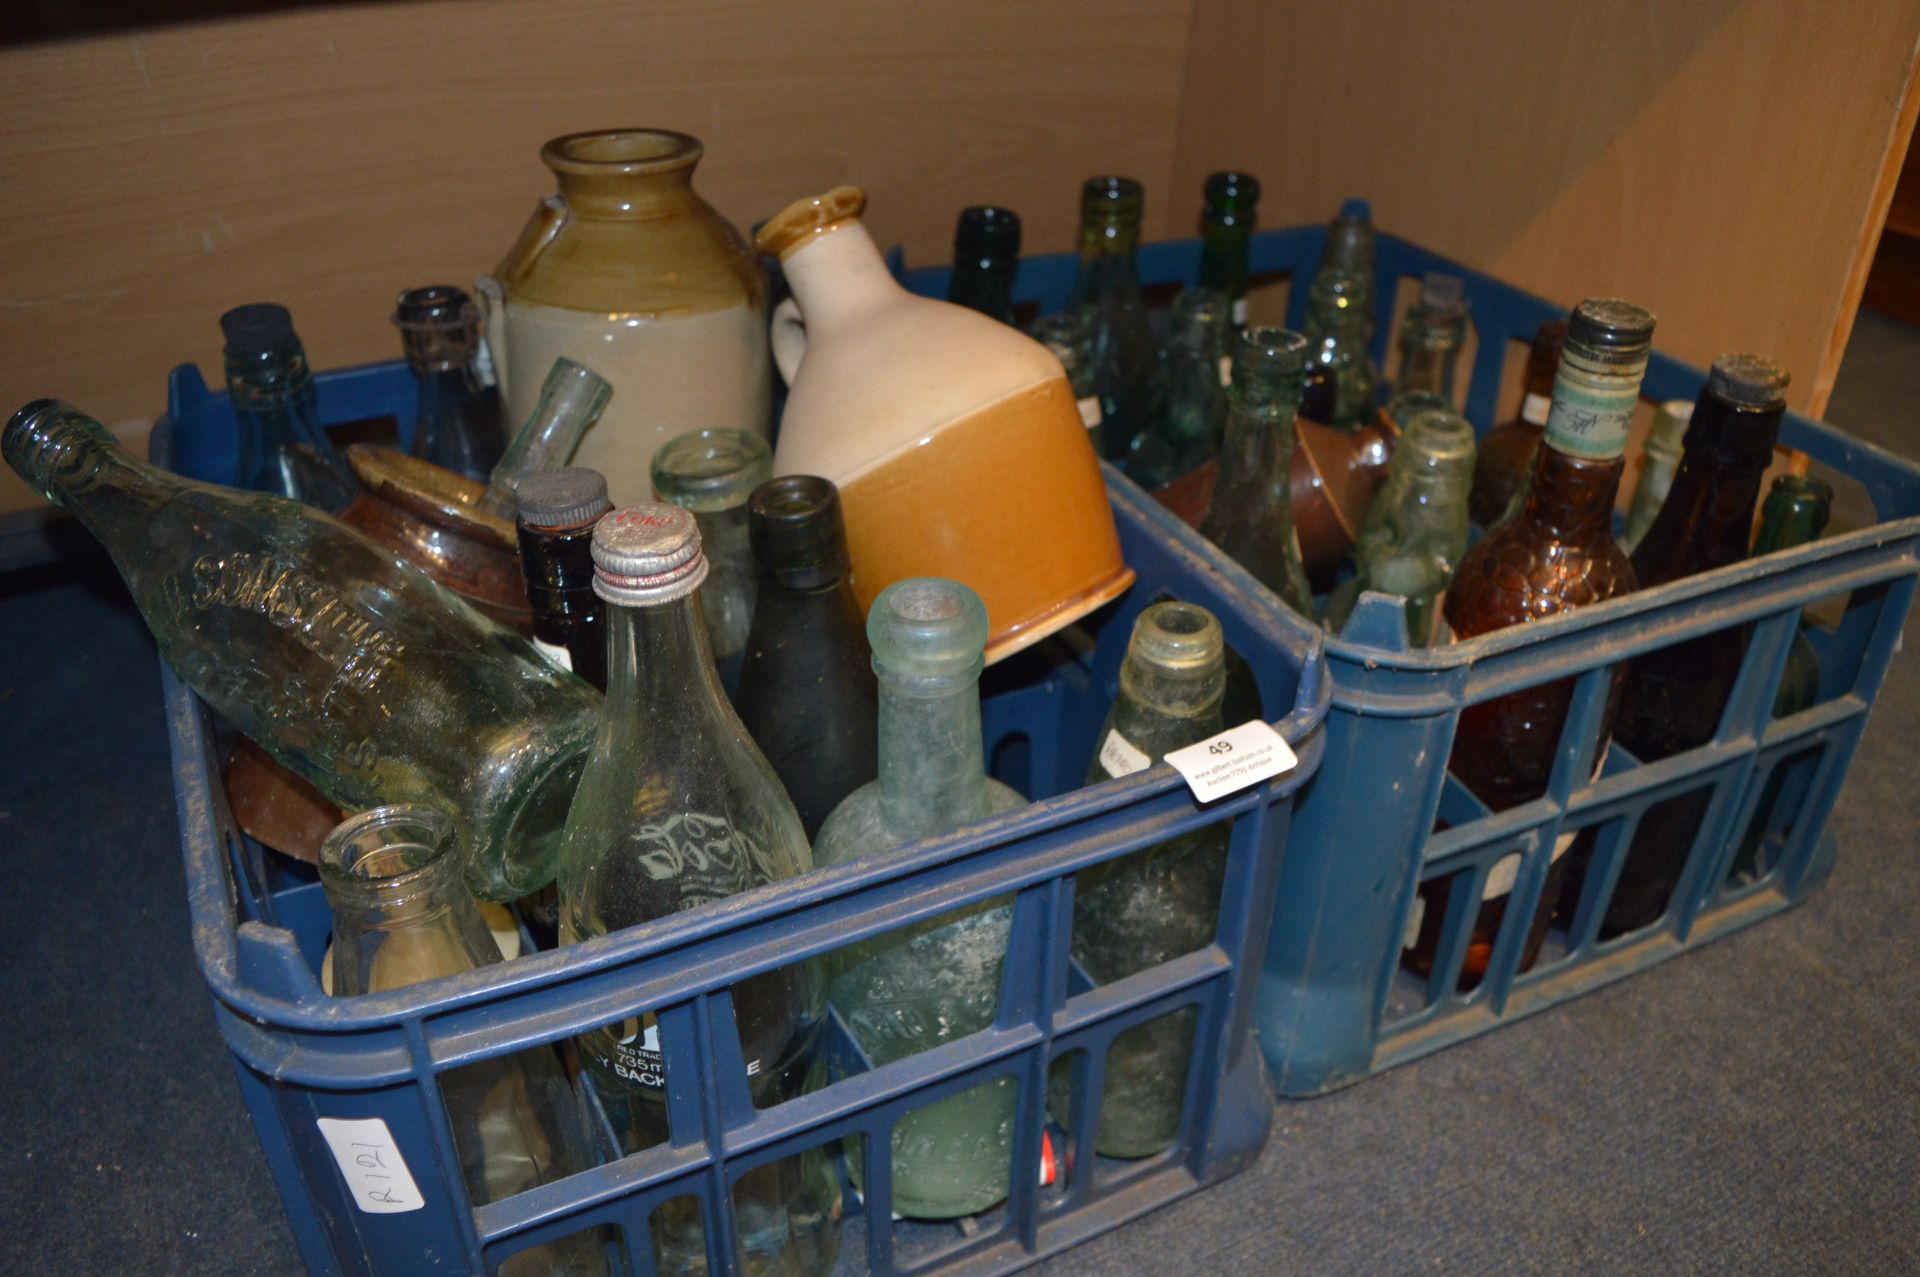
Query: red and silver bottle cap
x,y
647,554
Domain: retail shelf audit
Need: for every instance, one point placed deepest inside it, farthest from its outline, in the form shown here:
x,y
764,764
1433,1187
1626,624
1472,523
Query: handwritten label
x,y
554,652
370,1162
1226,371
1089,411
1121,758
1534,408
1236,758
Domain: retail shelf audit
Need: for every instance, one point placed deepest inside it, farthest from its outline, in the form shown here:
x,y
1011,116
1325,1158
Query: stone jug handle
x,y
789,338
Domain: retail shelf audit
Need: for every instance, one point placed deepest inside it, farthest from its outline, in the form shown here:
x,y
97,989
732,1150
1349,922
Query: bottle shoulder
x,y
859,827
1515,575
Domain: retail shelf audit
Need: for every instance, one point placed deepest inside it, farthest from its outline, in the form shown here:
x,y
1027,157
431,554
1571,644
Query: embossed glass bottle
x,y
558,509
1161,903
676,809
401,916
1506,454
1416,529
986,256
359,674
1340,381
1660,460
283,450
1195,367
1558,553
1226,225
1431,335
457,420
917,987
1108,285
1251,515
712,473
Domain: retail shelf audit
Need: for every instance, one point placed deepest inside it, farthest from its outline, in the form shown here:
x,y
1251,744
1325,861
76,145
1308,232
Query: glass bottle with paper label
x,y
1226,226
400,917
1557,554
558,510
1195,370
1660,459
712,473
1431,337
1155,905
921,985
1506,454
677,809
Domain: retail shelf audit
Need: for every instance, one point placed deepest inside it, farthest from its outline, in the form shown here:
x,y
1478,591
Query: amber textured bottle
x,y
1557,553
1506,454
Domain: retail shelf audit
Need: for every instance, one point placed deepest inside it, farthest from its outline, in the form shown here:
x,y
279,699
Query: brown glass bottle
x,y
1674,696
558,509
1558,553
1506,454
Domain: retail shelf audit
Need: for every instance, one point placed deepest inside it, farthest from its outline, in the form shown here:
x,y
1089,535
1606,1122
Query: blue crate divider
x,y
1334,1005
261,923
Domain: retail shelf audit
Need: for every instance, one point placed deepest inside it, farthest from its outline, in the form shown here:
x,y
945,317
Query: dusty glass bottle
x,y
712,473
917,987
1558,553
677,809
1416,529
1161,903
1195,368
1226,226
283,450
1108,286
1350,250
1251,514
1675,695
986,257
457,420
1506,454
571,399
558,509
807,691
359,674
401,916
1660,460
1431,336
1069,335
1340,381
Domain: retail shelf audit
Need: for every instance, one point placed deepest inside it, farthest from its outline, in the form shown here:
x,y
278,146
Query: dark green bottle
x,y
986,256
1226,226
1108,286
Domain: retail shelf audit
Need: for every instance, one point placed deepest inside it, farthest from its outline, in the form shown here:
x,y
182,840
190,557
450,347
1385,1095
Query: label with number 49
x,y
1236,758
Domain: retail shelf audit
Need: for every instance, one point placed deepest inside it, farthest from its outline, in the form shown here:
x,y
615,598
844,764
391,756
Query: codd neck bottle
x,y
807,691
677,809
1416,528
358,673
1660,460
1226,226
1195,370
1161,903
558,509
712,473
283,450
1340,382
986,257
457,421
401,916
935,981
571,400
1557,554
1506,454
1675,695
1431,336
1251,515
1108,286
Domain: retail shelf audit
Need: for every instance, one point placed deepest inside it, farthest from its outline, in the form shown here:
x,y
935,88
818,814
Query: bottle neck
x,y
401,912
1786,522
74,462
839,275
1223,257
1107,260
615,196
985,285
932,762
1707,517
660,665
1429,358
1257,450
1571,498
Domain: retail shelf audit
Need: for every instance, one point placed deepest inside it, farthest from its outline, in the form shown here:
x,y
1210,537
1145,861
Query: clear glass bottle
x,y
986,257
1226,226
457,421
1340,382
1108,285
713,473
1159,904
1069,335
283,450
677,809
558,509
1195,369
917,987
1506,454
1251,515
807,691
358,673
401,916
1431,336
1660,460
571,399
1415,531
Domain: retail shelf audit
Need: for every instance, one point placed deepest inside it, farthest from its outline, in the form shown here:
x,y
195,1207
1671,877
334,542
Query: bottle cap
x,y
1750,380
647,554
927,633
711,470
794,524
257,328
435,306
1241,190
561,498
987,231
1607,325
1111,197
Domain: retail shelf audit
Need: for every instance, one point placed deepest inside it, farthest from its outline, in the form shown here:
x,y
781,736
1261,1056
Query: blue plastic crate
x,y
261,924
1334,1004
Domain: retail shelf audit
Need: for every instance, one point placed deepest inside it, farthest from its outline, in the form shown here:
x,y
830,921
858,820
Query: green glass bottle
x,y
1431,335
1161,903
358,673
1415,532
1350,250
713,473
986,257
677,809
1251,515
1108,286
1661,459
914,988
1195,370
1226,226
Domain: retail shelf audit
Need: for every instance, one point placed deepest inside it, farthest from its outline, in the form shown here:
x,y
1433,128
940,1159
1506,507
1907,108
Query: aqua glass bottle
x,y
935,981
1660,462
986,257
1226,226
677,809
1340,382
1162,903
571,400
1195,369
1415,531
1431,336
1108,285
456,420
1251,515
712,473
283,450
